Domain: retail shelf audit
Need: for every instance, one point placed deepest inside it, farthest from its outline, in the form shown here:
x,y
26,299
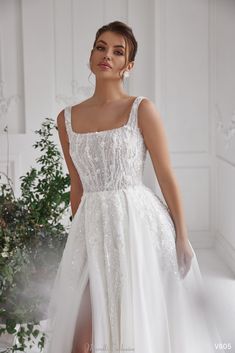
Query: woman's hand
x,y
184,255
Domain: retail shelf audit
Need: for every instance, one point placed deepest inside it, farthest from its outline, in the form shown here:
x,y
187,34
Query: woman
x,y
129,278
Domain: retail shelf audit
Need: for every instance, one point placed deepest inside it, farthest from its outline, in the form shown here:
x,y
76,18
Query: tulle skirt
x,y
123,242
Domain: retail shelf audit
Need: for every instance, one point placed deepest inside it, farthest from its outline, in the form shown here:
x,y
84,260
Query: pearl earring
x,y
126,74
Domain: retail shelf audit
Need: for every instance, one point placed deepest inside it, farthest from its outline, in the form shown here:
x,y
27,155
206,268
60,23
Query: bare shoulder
x,y
60,119
155,138
61,126
149,117
147,109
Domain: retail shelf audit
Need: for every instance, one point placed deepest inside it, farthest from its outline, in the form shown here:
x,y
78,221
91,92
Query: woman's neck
x,y
107,91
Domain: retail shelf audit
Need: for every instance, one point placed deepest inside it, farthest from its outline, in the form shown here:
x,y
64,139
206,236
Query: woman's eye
x,y
119,52
116,51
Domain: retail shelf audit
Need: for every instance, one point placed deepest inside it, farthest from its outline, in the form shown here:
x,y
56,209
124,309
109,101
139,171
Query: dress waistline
x,y
141,184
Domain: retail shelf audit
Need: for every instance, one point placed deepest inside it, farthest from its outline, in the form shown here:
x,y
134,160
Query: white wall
x,y
184,64
224,110
183,95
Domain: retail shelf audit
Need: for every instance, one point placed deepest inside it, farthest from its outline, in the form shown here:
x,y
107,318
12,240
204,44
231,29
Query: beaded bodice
x,y
108,159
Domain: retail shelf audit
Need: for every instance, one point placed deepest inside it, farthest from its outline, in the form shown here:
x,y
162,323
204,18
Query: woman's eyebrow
x,y
120,46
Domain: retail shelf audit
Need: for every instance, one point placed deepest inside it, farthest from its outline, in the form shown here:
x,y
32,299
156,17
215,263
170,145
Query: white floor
x,y
220,286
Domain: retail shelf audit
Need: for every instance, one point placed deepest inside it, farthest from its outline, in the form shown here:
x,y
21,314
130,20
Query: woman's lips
x,y
104,66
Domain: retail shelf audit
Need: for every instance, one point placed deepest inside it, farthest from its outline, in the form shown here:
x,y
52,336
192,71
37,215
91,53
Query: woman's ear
x,y
130,65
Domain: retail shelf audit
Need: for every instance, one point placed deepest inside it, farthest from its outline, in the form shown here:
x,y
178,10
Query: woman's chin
x,y
104,76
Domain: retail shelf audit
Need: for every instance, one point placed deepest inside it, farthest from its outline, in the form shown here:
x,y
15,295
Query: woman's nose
x,y
107,55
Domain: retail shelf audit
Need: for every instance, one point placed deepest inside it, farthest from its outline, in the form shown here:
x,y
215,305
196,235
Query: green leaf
x,y
32,225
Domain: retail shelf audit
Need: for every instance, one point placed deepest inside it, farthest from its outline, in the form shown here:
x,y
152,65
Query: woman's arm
x,y
76,189
151,125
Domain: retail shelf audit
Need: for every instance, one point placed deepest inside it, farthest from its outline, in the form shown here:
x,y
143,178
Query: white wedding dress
x,y
122,238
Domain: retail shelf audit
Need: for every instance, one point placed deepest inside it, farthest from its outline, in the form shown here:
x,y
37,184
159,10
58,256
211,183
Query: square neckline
x,y
103,131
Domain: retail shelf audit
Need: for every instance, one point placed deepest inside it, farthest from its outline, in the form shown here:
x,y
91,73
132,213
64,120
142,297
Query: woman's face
x,y
110,49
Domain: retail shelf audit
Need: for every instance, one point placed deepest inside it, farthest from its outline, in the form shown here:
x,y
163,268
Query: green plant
x,y
31,236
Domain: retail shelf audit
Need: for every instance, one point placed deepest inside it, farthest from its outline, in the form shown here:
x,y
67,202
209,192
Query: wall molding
x,y
6,102
225,250
226,130
78,94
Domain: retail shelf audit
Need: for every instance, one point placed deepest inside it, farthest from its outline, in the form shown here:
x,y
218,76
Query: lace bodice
x,y
108,159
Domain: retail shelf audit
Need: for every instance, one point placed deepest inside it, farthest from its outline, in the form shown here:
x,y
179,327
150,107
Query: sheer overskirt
x,y
123,241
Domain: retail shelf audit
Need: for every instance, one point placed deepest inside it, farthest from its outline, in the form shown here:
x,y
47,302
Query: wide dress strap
x,y
68,125
133,120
